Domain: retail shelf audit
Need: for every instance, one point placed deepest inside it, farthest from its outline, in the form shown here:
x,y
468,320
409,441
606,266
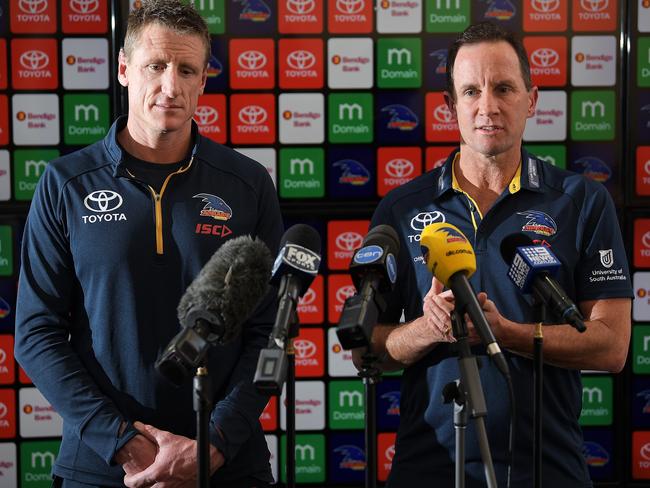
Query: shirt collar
x,y
119,156
528,175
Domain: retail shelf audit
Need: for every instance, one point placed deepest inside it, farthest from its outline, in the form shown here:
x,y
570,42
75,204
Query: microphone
x,y
374,270
450,257
215,305
295,268
532,268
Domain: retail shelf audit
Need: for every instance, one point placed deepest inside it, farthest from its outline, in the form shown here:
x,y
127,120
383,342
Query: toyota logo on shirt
x,y
545,6
252,115
206,115
421,220
300,7
349,241
301,60
400,168
103,201
252,60
33,6
34,60
545,57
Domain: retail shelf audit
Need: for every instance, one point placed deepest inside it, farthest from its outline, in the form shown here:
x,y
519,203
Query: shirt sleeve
x,y
47,291
602,271
236,416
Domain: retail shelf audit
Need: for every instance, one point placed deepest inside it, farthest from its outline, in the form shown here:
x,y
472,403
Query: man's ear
x,y
121,69
533,96
451,104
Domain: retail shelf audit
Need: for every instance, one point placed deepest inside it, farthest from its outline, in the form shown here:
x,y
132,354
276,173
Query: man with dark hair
x,y
490,188
112,241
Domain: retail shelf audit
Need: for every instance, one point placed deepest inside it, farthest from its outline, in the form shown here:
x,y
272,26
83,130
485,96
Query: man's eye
x,y
470,93
155,67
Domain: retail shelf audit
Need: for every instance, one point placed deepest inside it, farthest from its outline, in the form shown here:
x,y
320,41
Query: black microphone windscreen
x,y
384,236
231,284
510,244
302,235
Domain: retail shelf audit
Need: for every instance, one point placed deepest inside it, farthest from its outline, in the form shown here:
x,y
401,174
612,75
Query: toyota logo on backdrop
x,y
301,60
390,453
350,6
3,356
421,220
304,348
251,60
545,6
32,6
103,201
3,410
252,115
544,57
344,293
594,5
443,114
400,168
645,240
34,60
308,298
646,167
645,451
206,115
300,7
349,241
84,6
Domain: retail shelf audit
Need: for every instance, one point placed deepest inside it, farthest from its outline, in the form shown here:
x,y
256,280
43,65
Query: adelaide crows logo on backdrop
x,y
255,10
538,222
352,172
214,207
401,117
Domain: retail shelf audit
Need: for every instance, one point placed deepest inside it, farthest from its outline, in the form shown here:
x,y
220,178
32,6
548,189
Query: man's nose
x,y
488,103
170,85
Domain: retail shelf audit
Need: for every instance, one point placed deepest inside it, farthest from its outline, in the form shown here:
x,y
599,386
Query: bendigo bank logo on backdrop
x,y
252,119
301,63
34,64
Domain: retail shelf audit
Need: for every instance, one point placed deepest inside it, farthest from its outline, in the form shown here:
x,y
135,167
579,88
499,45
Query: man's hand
x,y
437,305
175,463
136,455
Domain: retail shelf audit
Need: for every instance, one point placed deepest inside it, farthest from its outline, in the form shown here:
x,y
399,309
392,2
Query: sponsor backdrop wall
x,y
341,100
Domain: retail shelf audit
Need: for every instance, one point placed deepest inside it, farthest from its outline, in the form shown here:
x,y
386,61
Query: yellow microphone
x,y
446,251
449,256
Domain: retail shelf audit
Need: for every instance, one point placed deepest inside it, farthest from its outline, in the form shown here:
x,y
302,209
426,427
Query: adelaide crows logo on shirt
x,y
538,222
214,207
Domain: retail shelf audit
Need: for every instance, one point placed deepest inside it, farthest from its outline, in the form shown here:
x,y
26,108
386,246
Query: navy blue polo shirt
x,y
576,218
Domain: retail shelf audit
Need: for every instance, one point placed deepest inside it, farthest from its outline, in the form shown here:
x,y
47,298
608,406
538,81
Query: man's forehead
x,y
496,57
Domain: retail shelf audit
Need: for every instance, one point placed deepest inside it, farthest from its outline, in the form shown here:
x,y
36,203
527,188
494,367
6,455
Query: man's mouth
x,y
490,129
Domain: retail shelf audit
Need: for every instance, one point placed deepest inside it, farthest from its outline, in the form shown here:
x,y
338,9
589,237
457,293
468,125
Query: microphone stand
x,y
371,376
290,409
202,399
538,384
468,398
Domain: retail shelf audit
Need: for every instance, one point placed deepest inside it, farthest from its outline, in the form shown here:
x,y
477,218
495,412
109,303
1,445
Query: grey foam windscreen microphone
x,y
215,305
